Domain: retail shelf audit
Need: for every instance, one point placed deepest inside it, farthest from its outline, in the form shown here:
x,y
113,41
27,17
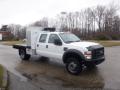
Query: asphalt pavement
x,y
39,74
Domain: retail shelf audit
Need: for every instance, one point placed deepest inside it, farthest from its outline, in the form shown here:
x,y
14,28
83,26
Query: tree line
x,y
100,23
93,23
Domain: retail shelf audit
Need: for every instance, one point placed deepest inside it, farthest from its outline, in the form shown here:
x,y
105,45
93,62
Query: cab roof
x,y
46,32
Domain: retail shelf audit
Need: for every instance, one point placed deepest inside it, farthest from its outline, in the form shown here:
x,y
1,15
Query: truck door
x,y
54,50
41,45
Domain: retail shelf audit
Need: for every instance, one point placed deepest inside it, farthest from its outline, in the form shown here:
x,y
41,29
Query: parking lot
x,y
51,73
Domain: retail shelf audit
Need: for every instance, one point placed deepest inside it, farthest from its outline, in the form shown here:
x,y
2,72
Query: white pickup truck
x,y
64,46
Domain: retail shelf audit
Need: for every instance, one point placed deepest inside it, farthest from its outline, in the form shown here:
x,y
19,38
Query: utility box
x,y
0,37
31,35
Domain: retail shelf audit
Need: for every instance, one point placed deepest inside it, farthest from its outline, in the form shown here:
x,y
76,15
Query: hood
x,y
83,44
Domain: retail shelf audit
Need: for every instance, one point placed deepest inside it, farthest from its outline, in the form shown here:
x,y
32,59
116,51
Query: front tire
x,y
23,55
74,66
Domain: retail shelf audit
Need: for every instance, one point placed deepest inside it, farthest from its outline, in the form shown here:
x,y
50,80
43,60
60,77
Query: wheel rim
x,y
72,67
22,54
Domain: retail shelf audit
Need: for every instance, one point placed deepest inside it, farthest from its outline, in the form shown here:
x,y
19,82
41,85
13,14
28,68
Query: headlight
x,y
88,54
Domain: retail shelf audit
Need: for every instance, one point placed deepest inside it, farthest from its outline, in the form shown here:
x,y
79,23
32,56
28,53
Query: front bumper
x,y
96,61
98,55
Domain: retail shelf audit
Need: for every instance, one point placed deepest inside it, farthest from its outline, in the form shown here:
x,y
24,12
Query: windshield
x,y
68,37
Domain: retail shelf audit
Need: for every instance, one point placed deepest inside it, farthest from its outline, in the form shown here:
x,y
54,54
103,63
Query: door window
x,y
52,38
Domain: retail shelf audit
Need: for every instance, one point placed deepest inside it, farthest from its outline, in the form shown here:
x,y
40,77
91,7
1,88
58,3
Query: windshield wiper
x,y
69,41
78,41
73,41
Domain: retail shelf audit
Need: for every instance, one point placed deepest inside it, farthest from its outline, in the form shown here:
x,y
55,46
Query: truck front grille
x,y
97,53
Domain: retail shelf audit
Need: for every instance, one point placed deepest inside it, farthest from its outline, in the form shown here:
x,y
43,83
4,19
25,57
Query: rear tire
x,y
74,66
23,55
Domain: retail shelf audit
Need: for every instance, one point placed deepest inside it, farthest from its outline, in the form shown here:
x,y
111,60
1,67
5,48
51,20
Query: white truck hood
x,y
83,44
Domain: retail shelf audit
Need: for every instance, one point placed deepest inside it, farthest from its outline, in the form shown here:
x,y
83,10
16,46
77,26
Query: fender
x,y
74,51
21,47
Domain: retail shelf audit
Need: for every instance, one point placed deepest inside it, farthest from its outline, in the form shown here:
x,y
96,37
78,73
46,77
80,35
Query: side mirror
x,y
57,42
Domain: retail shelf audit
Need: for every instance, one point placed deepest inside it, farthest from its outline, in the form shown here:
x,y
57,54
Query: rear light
x,y
88,54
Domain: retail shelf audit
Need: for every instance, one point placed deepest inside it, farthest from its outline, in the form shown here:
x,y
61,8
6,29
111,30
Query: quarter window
x,y
43,38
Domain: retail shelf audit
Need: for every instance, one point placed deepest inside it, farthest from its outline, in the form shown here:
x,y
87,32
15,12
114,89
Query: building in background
x,y
0,37
4,32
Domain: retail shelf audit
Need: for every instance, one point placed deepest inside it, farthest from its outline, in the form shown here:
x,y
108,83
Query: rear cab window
x,y
43,38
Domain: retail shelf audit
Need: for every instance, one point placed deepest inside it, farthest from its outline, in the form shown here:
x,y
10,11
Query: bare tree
x,y
15,30
41,23
99,13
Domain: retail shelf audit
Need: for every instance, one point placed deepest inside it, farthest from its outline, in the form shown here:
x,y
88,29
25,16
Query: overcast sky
x,y
27,11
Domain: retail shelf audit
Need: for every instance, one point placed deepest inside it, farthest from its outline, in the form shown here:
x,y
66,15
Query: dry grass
x,y
10,43
109,43
1,75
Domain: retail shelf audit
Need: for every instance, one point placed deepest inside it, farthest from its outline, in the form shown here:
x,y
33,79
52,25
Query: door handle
x,y
46,46
37,45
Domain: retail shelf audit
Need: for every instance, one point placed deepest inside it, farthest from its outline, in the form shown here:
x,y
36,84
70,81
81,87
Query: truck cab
x,y
64,46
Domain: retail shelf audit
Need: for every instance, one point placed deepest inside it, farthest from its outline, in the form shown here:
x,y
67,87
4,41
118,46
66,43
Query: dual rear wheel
x,y
23,55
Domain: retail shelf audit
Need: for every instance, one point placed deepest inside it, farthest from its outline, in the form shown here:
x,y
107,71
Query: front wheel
x,y
23,55
74,66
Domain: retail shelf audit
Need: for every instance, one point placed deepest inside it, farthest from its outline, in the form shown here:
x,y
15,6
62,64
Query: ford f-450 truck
x,y
64,46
